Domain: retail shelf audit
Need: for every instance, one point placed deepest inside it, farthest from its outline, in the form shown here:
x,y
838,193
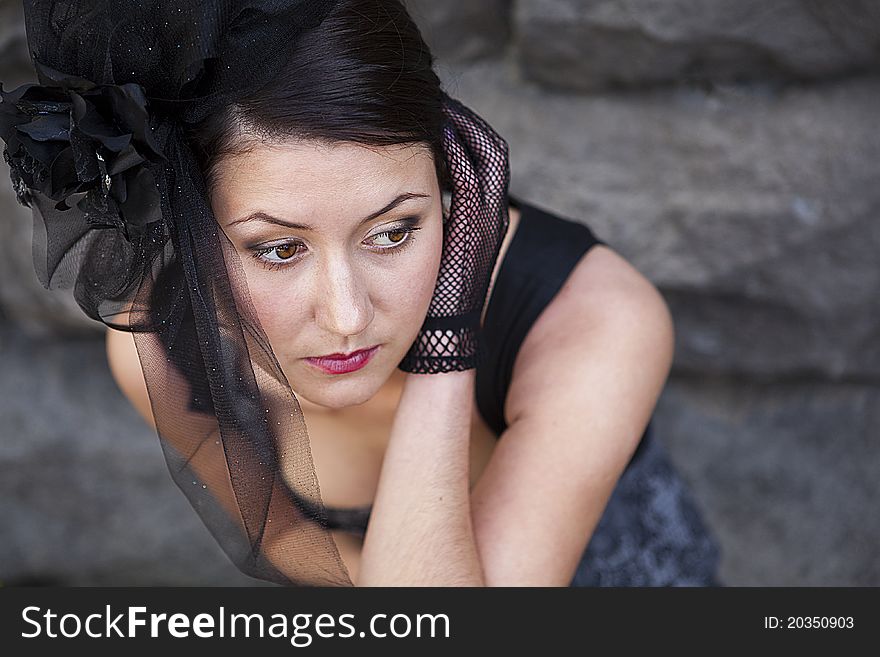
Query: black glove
x,y
477,159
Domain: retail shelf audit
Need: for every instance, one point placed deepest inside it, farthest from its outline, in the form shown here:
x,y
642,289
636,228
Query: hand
x,y
477,160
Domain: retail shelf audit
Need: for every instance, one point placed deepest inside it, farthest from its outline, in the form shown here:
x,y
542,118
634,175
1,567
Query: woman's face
x,y
341,249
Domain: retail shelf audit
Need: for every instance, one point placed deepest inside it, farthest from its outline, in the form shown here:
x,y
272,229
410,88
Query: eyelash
x,y
409,229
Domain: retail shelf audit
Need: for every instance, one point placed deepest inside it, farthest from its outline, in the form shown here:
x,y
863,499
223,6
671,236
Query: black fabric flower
x,y
83,144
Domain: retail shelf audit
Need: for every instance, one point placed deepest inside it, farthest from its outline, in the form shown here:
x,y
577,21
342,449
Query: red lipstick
x,y
343,363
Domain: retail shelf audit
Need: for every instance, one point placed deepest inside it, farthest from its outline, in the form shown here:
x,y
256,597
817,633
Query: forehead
x,y
312,173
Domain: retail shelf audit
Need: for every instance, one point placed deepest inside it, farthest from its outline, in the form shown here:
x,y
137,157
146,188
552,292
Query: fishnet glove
x,y
477,159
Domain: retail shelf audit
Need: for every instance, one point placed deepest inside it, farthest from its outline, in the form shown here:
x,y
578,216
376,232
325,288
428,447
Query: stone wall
x,y
729,150
593,45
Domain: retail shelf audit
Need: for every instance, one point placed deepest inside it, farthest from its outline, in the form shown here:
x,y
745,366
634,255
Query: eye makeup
x,y
406,227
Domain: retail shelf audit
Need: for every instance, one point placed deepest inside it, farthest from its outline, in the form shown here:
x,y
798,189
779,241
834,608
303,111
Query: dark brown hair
x,y
364,75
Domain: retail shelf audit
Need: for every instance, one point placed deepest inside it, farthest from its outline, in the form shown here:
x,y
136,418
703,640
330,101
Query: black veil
x,y
98,151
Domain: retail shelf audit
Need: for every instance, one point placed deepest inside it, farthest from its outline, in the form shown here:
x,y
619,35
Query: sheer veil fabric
x,y
98,151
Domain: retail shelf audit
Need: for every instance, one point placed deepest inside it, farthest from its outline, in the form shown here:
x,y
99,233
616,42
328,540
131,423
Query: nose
x,y
343,303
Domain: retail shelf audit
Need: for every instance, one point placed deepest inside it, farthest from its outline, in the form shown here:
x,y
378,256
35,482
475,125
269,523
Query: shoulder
x,y
606,314
125,366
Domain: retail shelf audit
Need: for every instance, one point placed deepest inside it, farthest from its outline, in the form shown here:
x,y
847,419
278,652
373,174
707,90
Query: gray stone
x,y
460,31
86,498
785,474
593,44
755,212
13,43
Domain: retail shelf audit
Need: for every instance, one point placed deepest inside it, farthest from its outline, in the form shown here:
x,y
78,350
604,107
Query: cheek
x,y
280,304
420,279
406,289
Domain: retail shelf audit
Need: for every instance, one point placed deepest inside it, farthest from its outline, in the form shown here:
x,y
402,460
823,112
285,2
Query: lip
x,y
342,364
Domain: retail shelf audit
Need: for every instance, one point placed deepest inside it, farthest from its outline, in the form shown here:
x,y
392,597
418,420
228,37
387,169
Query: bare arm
x,y
421,531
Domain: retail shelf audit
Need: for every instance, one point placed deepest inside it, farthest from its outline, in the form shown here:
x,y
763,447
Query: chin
x,y
340,402
338,397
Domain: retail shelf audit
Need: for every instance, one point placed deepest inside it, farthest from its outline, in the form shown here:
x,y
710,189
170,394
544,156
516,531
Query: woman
x,y
336,191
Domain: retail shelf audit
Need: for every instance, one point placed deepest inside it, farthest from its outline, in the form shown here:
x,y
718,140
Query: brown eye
x,y
281,255
396,237
285,251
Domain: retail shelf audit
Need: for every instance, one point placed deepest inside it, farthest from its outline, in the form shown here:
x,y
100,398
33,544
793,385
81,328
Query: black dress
x,y
652,532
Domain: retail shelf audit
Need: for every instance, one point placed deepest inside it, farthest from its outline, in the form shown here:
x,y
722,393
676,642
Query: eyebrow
x,y
267,218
